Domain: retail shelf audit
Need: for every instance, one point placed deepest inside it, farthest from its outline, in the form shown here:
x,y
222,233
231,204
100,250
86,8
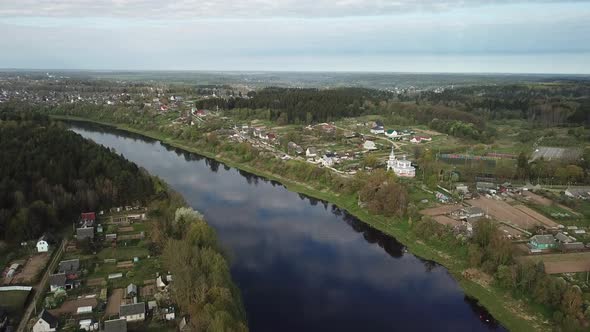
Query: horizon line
x,y
299,71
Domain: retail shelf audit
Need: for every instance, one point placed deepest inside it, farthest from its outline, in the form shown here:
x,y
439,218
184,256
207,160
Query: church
x,y
401,167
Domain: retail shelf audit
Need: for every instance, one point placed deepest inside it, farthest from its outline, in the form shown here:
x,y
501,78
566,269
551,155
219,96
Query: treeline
x,y
301,106
560,103
48,175
489,251
202,287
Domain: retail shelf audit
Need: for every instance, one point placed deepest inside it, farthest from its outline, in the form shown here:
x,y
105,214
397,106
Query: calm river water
x,y
303,264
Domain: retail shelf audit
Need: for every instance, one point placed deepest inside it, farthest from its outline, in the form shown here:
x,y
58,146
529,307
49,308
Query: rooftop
x,y
132,309
115,325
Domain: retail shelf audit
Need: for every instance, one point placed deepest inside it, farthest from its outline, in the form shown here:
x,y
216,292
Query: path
x,y
40,288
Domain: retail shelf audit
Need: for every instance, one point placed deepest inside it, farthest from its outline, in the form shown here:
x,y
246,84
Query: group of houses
x,y
561,240
378,129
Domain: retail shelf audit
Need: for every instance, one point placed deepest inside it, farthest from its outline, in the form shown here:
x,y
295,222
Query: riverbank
x,y
505,310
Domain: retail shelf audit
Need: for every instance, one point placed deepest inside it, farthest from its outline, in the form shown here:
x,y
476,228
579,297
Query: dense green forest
x,y
48,175
202,288
301,105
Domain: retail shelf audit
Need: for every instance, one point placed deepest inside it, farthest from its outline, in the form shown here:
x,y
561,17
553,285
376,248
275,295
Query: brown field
x,y
537,198
444,220
440,210
125,229
147,291
114,302
536,215
71,306
503,211
31,269
564,263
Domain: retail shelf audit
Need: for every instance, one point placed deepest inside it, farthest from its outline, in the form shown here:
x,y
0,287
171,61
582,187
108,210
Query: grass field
x,y
122,253
14,301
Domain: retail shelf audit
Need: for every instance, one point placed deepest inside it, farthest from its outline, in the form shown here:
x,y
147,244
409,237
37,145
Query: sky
x,y
501,36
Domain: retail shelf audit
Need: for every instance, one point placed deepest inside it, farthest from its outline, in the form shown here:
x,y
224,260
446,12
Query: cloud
x,y
156,9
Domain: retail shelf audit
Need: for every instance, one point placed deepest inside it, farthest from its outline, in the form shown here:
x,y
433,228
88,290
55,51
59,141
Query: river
x,y
303,264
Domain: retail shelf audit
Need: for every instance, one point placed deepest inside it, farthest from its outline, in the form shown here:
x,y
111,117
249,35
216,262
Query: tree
x,y
522,166
571,303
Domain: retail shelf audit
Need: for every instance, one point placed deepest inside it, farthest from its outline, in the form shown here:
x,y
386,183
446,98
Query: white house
x,y
311,152
391,133
401,167
132,312
46,323
369,145
327,161
42,245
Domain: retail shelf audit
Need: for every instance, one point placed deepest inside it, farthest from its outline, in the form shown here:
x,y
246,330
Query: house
x,y
46,322
378,129
578,192
369,146
311,152
57,281
391,133
115,325
131,291
572,246
84,233
327,161
88,325
401,167
293,147
152,305
486,186
42,245
462,189
161,283
69,266
542,242
132,312
183,326
562,238
3,319
88,216
472,212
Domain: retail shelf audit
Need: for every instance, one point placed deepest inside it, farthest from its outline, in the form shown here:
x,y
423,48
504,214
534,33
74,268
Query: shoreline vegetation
x,y
513,313
57,174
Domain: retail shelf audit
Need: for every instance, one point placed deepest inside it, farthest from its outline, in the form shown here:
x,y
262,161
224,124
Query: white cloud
x,y
156,9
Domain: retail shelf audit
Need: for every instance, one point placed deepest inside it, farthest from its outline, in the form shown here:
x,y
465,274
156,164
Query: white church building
x,y
401,167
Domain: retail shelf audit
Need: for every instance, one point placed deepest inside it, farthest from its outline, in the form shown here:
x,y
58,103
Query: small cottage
x,y
42,245
46,323
115,325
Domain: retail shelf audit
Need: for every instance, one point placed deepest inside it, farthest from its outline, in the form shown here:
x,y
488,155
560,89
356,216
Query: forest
x,y
50,174
301,106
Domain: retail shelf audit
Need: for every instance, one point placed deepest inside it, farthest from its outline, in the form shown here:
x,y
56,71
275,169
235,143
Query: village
x,y
103,278
540,229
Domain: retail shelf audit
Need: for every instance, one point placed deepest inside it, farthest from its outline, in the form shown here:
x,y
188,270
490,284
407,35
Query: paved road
x,y
40,288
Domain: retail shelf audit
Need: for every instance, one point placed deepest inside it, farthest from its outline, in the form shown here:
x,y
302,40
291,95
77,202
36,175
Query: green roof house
x,y
541,242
